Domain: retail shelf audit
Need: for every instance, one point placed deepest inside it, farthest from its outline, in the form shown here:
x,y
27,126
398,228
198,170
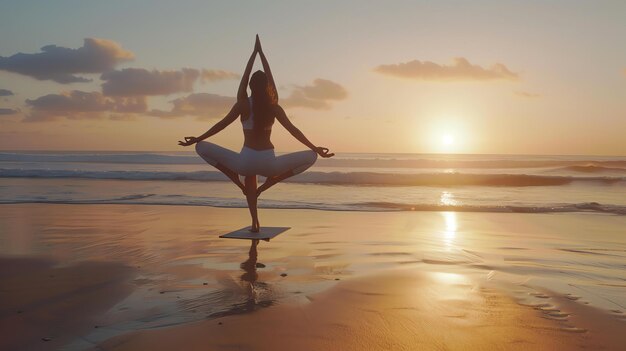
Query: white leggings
x,y
256,162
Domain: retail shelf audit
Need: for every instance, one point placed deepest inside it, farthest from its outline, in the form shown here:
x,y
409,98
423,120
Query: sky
x,y
494,77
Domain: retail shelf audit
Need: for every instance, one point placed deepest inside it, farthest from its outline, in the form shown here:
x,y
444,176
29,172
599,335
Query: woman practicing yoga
x,y
257,155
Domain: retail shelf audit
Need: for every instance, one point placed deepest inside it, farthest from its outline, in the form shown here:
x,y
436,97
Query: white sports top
x,y
248,123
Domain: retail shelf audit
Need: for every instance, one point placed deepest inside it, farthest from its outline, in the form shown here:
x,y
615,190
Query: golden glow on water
x,y
450,229
450,278
447,199
451,286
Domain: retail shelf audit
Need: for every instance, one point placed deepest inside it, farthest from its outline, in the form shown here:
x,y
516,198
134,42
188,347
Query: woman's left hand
x,y
188,141
324,152
257,45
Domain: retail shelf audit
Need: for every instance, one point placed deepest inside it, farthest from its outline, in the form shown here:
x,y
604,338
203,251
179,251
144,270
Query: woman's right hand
x,y
188,141
257,45
324,152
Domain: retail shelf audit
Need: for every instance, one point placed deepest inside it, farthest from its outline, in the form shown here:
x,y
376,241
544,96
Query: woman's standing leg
x,y
251,196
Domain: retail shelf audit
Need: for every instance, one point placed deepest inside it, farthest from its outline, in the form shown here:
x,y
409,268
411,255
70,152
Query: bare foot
x,y
255,227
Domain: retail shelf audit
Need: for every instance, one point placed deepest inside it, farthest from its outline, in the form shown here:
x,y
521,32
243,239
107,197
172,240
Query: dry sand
x,y
350,281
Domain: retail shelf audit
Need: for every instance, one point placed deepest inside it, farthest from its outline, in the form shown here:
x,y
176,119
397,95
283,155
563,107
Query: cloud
x,y
324,89
526,94
60,64
139,81
134,104
164,114
8,111
299,99
210,75
81,105
204,105
124,117
460,70
5,92
201,105
316,96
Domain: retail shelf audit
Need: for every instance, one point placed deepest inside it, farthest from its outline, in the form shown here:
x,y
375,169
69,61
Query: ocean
x,y
347,182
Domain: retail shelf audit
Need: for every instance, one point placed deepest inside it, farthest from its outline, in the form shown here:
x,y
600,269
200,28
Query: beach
x,y
159,277
423,175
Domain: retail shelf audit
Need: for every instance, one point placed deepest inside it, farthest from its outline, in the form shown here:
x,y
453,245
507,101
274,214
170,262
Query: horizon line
x,y
337,152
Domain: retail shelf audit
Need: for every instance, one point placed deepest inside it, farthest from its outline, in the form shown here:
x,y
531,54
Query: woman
x,y
257,155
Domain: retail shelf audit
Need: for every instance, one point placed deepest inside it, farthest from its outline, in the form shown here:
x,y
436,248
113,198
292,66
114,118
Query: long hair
x,y
262,101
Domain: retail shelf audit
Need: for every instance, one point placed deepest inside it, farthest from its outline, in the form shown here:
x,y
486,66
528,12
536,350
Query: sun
x,y
446,135
447,139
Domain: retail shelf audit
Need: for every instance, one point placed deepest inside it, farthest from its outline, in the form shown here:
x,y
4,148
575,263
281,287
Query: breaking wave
x,y
331,178
380,161
594,169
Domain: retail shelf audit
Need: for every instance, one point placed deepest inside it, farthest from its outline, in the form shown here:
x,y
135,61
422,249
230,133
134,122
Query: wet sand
x,y
46,306
398,310
158,277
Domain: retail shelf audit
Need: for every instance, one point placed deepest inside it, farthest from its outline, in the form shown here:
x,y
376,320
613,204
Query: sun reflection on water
x,y
451,226
449,278
447,199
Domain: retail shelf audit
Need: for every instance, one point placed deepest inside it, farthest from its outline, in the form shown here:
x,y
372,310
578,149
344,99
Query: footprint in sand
x,y
539,295
572,297
574,330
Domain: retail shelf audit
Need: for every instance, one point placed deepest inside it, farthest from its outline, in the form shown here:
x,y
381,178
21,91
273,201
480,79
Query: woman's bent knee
x,y
311,157
199,146
202,146
203,149
308,160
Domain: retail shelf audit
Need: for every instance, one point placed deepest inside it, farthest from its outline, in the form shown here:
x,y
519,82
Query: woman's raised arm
x,y
235,111
268,72
282,118
242,92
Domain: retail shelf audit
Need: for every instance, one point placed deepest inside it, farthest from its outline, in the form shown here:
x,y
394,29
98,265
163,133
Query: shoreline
x,y
593,208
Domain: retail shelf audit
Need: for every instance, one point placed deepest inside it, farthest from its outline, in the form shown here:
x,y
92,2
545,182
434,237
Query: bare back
x,y
254,138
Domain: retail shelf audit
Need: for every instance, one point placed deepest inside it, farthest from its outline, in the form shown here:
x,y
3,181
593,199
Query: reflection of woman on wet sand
x,y
250,276
257,155
249,266
253,287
